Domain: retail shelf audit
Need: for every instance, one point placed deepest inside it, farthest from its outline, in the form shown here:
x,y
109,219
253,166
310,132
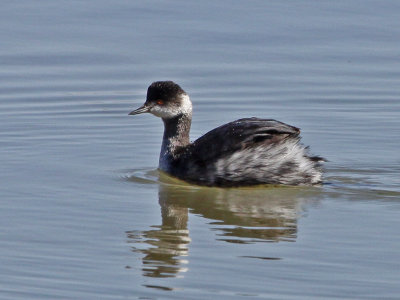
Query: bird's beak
x,y
143,109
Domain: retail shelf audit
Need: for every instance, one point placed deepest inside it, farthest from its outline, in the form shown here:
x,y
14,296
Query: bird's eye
x,y
160,102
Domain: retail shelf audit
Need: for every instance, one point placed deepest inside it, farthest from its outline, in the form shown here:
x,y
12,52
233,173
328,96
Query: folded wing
x,y
240,134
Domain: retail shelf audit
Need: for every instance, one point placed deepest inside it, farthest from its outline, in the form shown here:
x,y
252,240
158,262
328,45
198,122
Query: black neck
x,y
176,133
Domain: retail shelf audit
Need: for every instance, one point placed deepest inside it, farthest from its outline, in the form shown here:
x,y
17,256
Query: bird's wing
x,y
240,134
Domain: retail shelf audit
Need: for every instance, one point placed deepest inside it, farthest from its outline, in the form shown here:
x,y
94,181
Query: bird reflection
x,y
166,245
236,215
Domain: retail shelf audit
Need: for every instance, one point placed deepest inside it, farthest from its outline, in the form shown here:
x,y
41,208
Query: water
x,y
84,214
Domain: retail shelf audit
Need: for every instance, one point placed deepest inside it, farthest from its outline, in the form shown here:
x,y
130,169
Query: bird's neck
x,y
176,136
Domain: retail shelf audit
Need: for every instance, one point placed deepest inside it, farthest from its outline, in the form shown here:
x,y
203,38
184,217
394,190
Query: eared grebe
x,y
247,151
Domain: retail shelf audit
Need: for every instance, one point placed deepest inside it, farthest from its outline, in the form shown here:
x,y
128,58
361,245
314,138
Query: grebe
x,y
248,151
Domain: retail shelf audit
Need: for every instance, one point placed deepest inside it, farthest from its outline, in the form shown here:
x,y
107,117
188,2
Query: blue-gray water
x,y
83,212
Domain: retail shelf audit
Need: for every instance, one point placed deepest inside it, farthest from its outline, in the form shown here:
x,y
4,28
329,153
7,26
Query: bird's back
x,y
246,152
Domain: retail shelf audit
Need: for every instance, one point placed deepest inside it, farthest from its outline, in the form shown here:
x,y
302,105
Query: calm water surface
x,y
84,214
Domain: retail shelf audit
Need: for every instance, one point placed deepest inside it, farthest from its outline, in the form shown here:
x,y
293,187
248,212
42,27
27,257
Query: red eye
x,y
160,102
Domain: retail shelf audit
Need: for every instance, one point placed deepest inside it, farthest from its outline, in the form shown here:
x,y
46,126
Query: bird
x,y
245,152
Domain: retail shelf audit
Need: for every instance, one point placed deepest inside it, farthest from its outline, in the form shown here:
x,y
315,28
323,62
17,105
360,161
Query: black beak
x,y
140,110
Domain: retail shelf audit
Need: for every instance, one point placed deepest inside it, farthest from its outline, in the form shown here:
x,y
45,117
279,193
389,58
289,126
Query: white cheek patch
x,y
162,112
186,104
167,112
